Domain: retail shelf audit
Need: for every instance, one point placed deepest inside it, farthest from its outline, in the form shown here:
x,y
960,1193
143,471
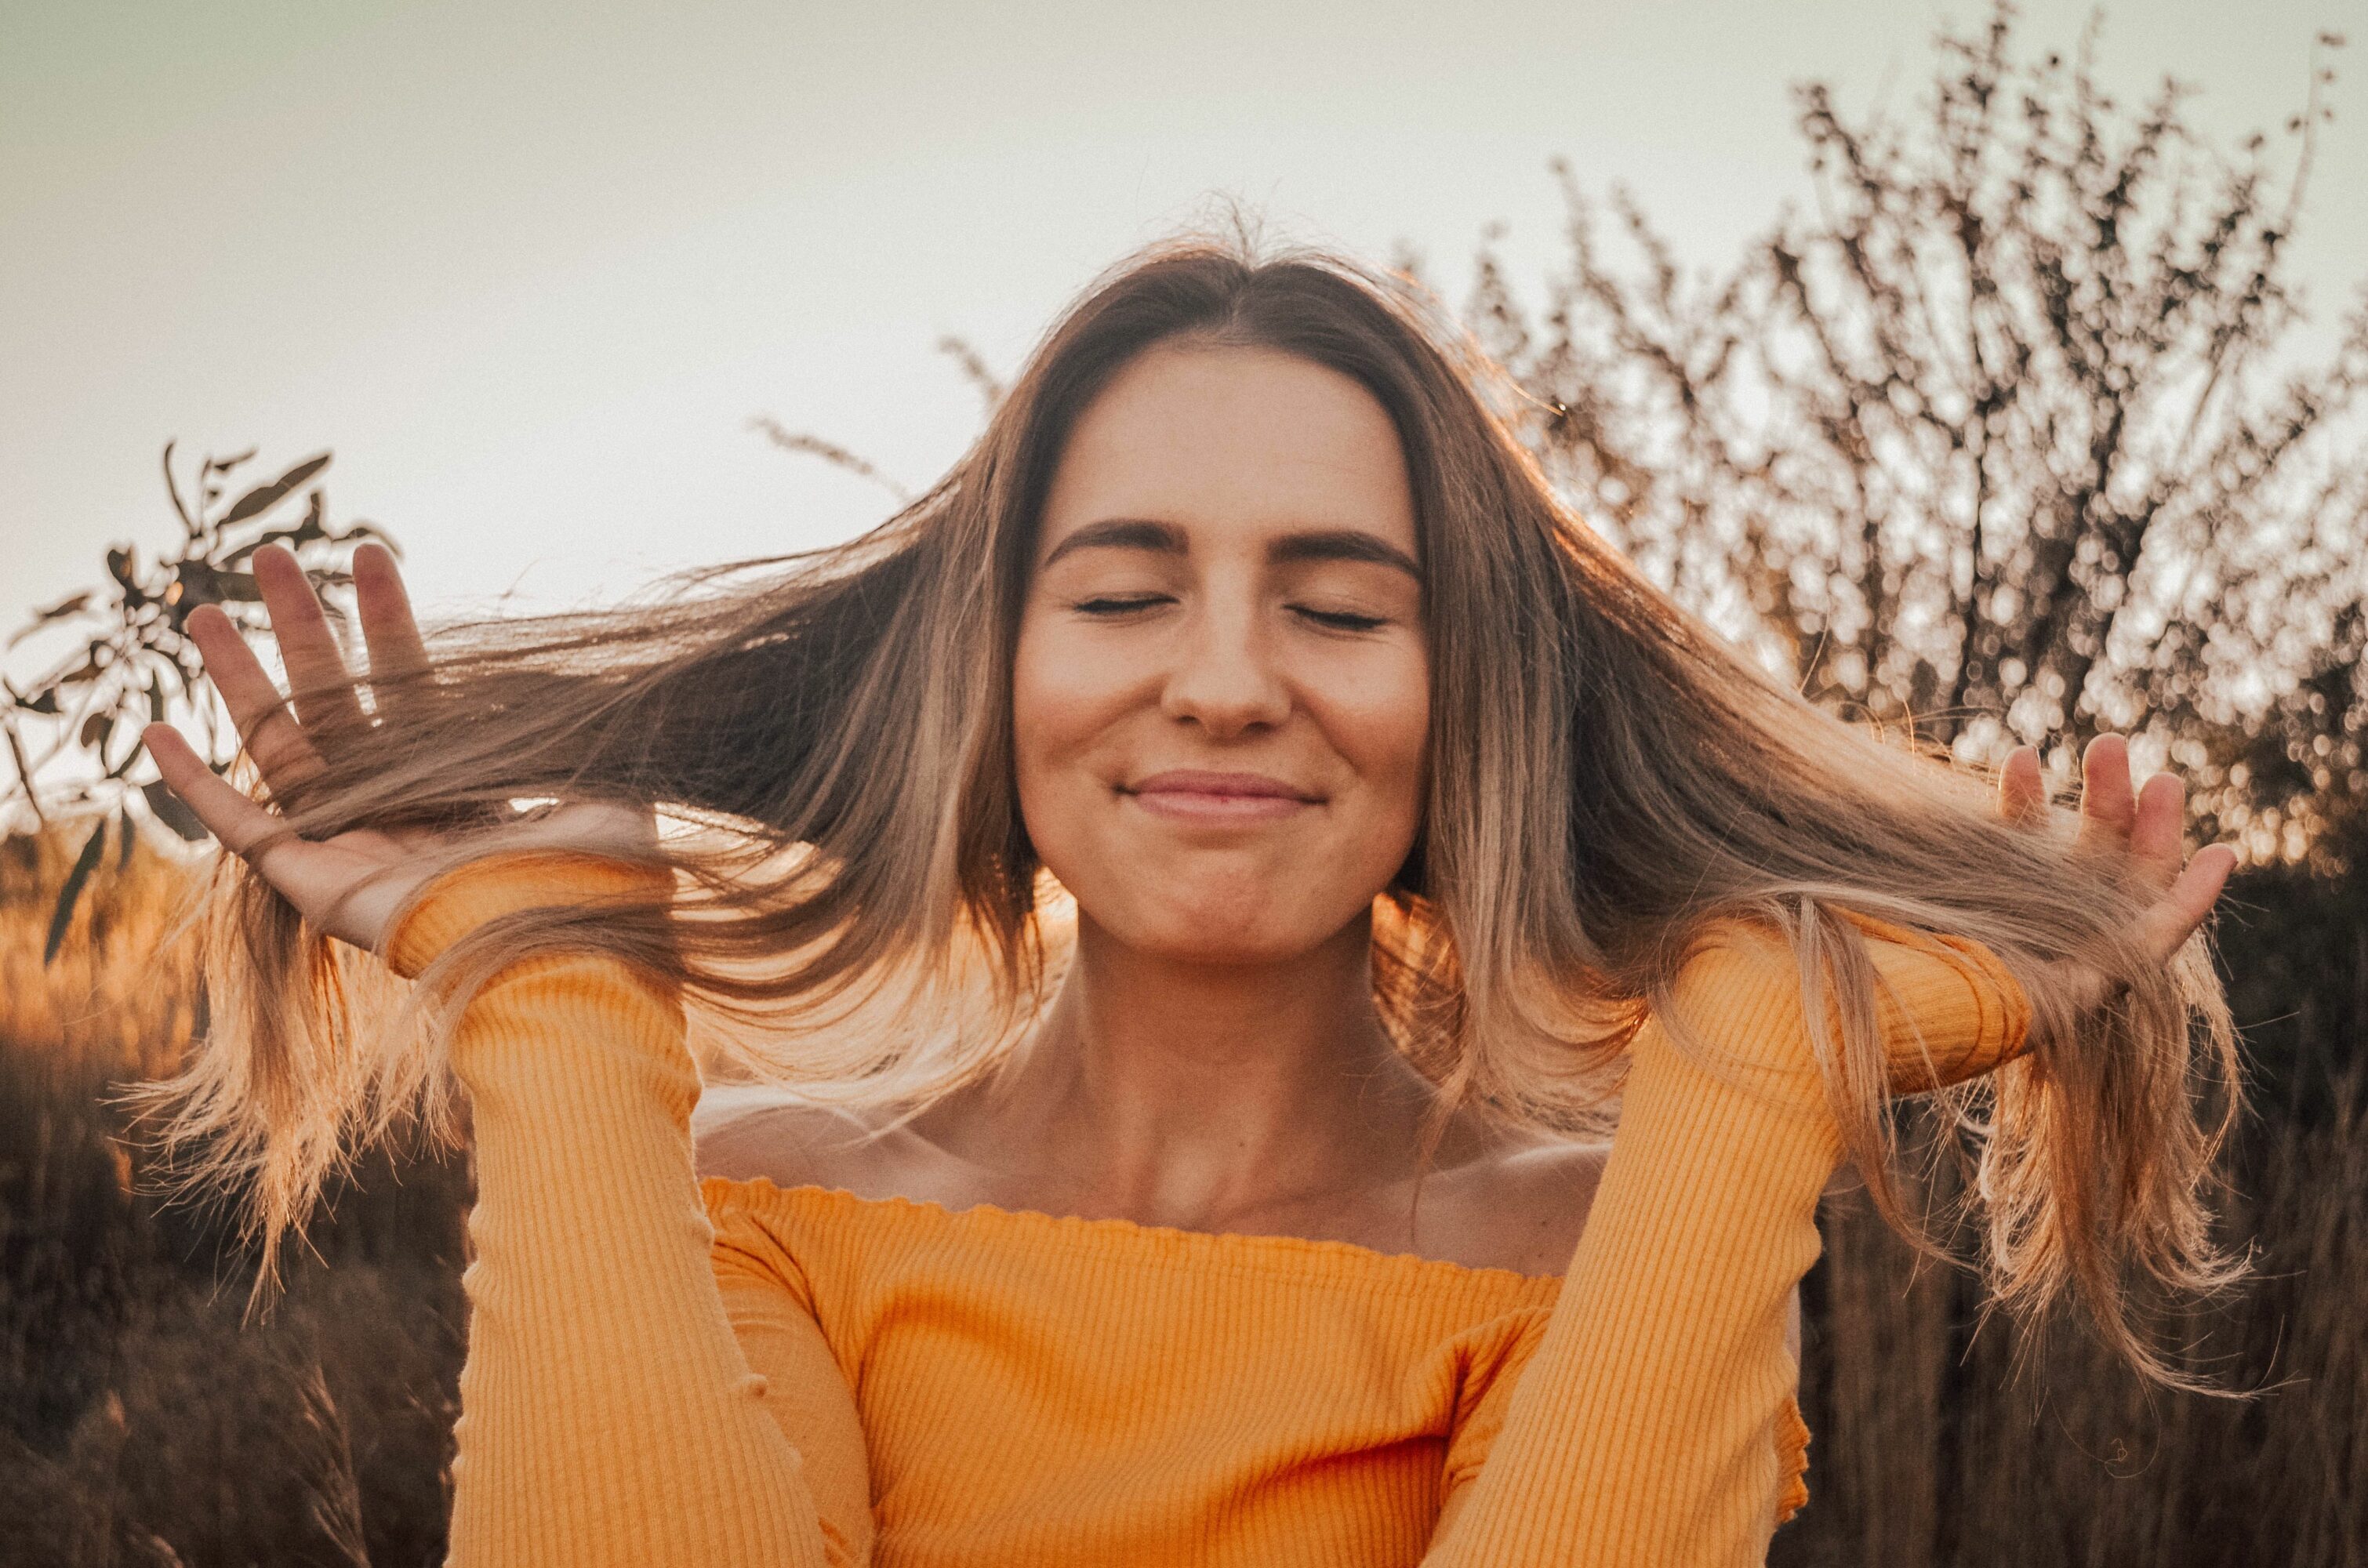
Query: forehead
x,y
1233,440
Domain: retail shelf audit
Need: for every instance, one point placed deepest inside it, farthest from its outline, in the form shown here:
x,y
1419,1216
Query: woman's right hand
x,y
350,884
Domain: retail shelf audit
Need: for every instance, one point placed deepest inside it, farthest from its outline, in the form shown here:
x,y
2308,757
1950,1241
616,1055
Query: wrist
x,y
458,900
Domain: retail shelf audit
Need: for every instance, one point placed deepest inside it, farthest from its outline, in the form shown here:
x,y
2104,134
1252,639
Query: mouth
x,y
1199,795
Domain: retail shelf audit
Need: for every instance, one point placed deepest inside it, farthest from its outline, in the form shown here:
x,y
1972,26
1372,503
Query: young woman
x,y
1248,1214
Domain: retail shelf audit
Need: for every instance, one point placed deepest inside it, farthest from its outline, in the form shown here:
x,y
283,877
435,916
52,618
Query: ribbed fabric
x,y
663,1374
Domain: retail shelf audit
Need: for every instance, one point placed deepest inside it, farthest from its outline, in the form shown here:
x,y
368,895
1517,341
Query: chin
x,y
1235,929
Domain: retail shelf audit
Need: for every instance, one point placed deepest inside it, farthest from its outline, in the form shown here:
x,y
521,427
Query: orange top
x,y
800,1377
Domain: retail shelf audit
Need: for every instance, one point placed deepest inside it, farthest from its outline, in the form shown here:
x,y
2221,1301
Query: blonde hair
x,y
831,732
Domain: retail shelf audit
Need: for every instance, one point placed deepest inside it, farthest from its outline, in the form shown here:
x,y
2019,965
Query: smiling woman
x,y
1263,1217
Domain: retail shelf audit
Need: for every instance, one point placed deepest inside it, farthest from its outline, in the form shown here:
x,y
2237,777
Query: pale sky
x,y
532,268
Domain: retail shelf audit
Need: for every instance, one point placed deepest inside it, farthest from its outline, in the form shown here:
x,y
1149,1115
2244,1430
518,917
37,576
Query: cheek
x,y
1377,717
1063,699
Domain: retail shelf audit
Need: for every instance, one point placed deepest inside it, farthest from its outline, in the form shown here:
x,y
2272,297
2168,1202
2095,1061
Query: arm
x,y
772,1315
609,1414
1649,1427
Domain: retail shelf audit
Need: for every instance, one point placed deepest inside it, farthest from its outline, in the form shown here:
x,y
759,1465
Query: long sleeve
x,y
610,1415
1645,1429
771,1308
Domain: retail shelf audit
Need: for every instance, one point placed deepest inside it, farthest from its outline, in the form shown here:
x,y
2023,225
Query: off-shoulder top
x,y
666,1372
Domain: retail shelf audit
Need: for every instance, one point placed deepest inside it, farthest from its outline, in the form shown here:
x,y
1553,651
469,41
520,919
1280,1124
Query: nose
x,y
1224,678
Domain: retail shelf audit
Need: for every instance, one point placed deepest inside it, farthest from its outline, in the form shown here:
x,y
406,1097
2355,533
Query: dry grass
x,y
142,1422
143,1418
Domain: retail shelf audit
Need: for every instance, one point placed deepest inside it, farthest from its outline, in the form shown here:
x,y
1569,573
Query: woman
x,y
1252,1221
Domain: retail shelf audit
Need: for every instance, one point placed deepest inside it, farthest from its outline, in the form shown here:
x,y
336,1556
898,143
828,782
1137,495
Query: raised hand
x,y
2142,828
349,884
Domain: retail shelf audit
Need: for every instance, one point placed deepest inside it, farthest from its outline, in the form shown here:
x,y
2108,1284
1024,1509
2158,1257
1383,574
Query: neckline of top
x,y
1174,1241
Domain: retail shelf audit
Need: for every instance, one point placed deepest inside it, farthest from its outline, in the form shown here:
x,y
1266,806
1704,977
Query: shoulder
x,y
750,1132
1523,1208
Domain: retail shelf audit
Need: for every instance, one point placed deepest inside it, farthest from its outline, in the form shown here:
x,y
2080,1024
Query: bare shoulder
x,y
747,1132
1523,1208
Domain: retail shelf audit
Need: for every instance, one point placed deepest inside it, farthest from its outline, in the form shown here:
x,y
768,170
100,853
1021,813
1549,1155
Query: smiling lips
x,y
1195,795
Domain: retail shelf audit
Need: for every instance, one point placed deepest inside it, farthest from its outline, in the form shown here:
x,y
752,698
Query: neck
x,y
1184,1093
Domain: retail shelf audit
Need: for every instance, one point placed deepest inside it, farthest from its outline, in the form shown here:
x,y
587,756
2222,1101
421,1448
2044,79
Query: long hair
x,y
828,737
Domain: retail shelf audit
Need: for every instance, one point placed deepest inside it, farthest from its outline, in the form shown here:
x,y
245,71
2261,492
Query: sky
x,y
531,269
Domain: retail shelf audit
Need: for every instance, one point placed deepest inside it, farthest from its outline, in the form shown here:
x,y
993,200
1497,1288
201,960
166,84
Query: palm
x,y
315,874
2142,827
350,884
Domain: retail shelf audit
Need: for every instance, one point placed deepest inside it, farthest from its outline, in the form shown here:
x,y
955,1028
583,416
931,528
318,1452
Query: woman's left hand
x,y
2144,825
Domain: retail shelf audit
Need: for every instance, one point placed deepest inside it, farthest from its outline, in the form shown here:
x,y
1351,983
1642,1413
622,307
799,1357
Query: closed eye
x,y
1340,620
1120,604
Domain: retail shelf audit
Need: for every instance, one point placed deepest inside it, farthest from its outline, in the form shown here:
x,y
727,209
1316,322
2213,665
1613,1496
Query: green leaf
x,y
70,894
169,809
265,496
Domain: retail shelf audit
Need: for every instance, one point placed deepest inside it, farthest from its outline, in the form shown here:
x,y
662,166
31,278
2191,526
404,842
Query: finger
x,y
2166,927
390,630
321,685
266,727
2107,807
2154,836
228,814
2023,794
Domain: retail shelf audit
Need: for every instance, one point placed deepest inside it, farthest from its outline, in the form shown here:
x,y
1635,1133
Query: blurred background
x,y
1976,379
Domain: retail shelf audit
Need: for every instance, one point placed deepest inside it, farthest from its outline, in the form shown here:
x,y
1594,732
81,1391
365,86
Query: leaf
x,y
294,535
70,894
90,670
204,583
130,756
57,611
265,496
168,808
66,605
364,529
173,491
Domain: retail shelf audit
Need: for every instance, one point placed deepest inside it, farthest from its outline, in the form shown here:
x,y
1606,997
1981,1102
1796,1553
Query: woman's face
x,y
1222,693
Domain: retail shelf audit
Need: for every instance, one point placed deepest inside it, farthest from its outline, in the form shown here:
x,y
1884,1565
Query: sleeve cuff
x,y
1972,1013
459,901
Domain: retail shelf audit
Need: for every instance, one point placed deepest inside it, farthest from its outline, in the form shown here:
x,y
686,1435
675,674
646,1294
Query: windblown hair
x,y
829,737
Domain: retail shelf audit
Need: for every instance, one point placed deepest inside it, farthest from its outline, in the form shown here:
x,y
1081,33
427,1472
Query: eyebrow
x,y
1166,539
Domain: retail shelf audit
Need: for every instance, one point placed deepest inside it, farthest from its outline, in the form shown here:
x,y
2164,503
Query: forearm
x,y
1645,1429
607,1413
